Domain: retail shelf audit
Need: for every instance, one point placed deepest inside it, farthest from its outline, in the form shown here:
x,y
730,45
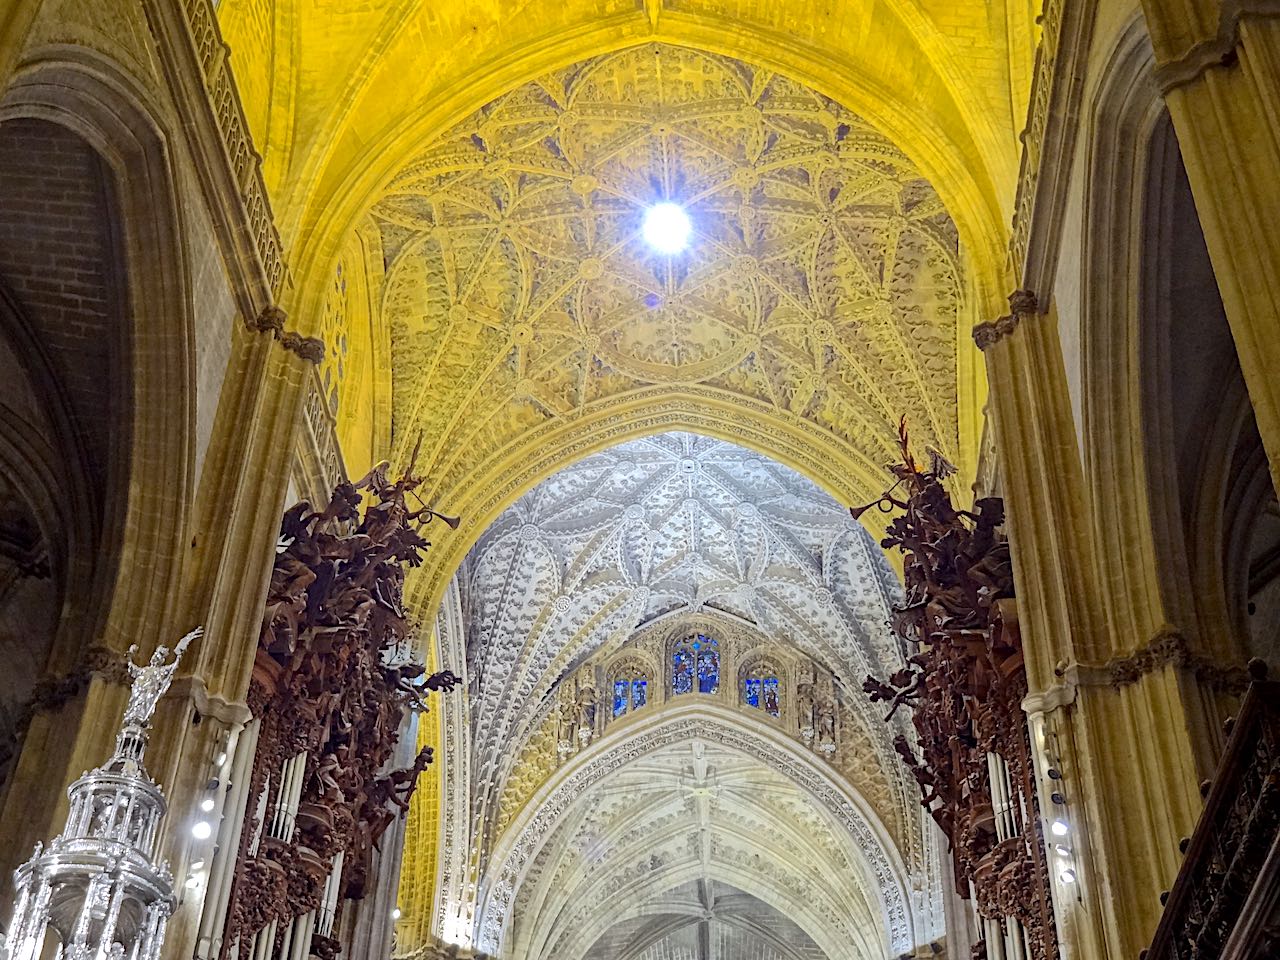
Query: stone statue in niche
x,y
586,713
805,710
824,716
566,716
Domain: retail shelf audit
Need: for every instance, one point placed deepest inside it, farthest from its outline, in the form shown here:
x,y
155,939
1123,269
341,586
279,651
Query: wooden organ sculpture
x,y
964,682
330,690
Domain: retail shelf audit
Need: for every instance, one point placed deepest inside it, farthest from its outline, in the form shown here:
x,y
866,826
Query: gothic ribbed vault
x,y
607,562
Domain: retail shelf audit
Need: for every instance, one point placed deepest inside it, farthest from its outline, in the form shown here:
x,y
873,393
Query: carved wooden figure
x,y
964,683
330,700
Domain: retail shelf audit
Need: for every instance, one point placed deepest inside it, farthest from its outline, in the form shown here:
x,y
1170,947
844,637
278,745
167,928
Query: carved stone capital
x,y
1217,51
270,320
1166,648
1023,305
993,331
310,349
51,692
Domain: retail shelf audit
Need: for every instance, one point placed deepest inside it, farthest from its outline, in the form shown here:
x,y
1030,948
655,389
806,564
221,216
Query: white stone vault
x,y
695,792
669,528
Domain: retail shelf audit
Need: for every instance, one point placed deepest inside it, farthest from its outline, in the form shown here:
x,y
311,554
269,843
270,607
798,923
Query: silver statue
x,y
97,891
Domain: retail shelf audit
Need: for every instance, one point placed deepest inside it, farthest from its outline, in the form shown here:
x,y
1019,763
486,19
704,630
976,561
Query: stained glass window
x,y
760,690
630,689
695,664
682,670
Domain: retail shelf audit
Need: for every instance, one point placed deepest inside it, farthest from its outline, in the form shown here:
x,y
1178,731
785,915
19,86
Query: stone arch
x,y
1141,233
518,468
879,863
82,92
346,194
43,547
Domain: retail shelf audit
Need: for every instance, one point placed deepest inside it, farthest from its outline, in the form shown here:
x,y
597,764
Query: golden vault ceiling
x,y
337,94
819,298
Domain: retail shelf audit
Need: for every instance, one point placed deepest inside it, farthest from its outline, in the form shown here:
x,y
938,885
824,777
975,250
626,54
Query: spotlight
x,y
201,830
207,804
220,759
667,228
197,866
1059,828
193,882
395,914
1067,876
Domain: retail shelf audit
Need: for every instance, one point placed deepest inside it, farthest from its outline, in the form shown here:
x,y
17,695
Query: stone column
x,y
1219,71
223,586
238,508
1119,731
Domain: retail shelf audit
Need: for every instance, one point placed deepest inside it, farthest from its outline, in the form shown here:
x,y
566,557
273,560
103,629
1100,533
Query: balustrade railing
x,y
1225,902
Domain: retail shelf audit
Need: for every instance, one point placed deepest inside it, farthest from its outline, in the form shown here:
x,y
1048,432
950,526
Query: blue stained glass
x,y
708,671
619,697
770,697
752,692
708,664
682,670
639,693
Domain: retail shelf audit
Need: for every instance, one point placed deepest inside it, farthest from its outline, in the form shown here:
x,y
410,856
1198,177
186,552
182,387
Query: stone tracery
x,y
823,284
604,570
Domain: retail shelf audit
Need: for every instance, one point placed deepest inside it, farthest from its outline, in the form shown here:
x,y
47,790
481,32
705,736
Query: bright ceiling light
x,y
667,228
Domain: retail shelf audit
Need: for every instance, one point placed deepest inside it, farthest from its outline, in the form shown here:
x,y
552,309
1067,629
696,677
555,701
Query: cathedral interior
x,y
657,479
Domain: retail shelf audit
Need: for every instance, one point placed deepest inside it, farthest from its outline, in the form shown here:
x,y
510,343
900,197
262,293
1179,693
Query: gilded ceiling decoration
x,y
819,294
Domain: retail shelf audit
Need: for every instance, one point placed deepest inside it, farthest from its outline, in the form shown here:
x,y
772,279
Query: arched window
x,y
630,688
760,688
695,665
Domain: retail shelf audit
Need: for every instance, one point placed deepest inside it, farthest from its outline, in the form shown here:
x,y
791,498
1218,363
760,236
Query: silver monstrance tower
x,y
98,886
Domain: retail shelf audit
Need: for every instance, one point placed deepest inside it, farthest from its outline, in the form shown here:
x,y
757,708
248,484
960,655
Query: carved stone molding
x,y
1215,51
1170,648
54,691
245,162
271,320
1022,305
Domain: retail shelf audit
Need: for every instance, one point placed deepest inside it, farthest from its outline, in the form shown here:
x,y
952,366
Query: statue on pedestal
x,y
97,887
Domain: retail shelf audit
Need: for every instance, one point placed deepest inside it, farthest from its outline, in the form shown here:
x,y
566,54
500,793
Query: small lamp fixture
x,y
667,228
1059,828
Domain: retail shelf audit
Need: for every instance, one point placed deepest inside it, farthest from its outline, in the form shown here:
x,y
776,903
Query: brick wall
x,y
57,258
